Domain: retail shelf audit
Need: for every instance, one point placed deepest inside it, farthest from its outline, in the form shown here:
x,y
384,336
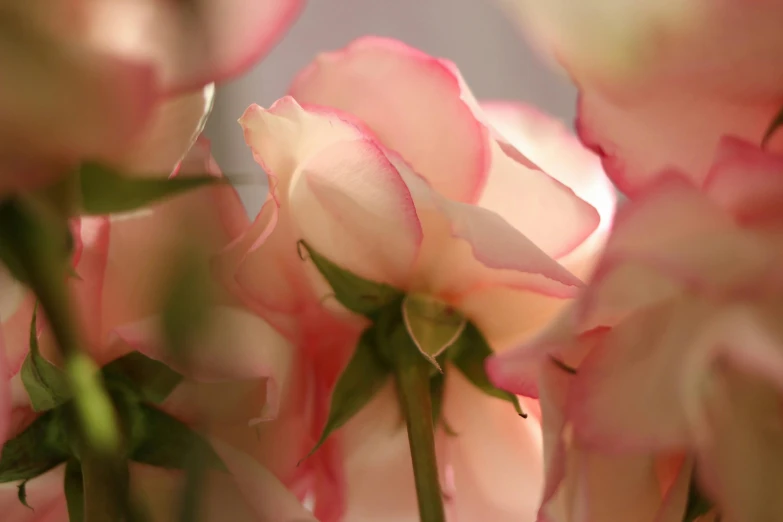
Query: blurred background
x,y
490,52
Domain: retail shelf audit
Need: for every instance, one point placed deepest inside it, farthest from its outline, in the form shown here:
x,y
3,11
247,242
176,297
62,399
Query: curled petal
x,y
407,99
547,212
670,239
676,126
467,248
551,147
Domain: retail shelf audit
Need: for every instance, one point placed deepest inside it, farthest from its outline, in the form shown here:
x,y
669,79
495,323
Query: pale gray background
x,y
489,50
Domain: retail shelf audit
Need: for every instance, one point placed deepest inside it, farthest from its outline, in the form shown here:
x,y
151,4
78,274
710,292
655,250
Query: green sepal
x,y
357,294
469,354
698,505
74,491
150,379
432,325
39,448
105,190
21,494
169,443
45,383
437,387
360,381
776,123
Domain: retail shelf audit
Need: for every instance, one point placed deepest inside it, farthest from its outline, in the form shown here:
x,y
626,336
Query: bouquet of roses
x,y
441,311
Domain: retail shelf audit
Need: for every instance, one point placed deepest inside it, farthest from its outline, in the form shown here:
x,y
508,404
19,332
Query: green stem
x,y
413,388
105,482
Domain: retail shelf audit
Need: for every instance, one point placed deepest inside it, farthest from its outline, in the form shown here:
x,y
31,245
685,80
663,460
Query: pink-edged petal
x,y
496,457
285,139
617,401
553,148
547,212
87,289
669,126
169,134
191,45
412,102
467,248
353,207
44,495
669,239
747,181
518,370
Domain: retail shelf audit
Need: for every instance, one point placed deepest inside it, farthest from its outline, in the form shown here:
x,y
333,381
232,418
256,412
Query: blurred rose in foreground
x,y
676,346
689,72
124,268
118,81
385,164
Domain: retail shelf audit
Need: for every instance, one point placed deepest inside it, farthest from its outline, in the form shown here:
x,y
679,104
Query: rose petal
x,y
543,209
548,143
675,126
412,102
192,45
290,142
746,180
467,248
675,344
740,461
665,241
169,134
495,456
352,207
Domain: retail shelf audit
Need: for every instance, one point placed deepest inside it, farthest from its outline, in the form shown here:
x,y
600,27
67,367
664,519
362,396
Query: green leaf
x,y
698,505
106,191
470,353
360,381
45,383
432,325
21,493
74,491
151,379
33,245
358,295
773,127
36,450
171,444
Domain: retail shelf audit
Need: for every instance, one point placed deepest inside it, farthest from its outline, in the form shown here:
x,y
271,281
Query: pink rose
x,y
684,350
384,163
698,70
119,81
232,382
